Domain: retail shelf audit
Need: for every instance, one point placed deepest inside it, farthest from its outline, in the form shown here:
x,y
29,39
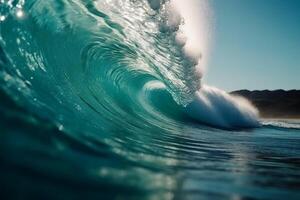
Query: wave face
x,y
113,88
97,54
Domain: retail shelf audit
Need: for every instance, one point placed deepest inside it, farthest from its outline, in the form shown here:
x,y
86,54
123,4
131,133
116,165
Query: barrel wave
x,y
115,87
99,55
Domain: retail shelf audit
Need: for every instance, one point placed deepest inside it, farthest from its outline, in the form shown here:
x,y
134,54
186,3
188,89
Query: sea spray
x,y
215,107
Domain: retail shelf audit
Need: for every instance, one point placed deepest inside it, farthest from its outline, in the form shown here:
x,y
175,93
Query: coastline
x,y
275,104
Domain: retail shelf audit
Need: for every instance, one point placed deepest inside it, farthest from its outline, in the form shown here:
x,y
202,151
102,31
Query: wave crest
x,y
97,56
218,108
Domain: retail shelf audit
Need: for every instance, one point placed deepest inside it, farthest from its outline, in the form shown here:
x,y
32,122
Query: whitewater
x,y
105,99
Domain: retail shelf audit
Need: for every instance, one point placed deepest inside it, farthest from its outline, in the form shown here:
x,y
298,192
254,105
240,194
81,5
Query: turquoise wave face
x,y
93,66
100,59
107,101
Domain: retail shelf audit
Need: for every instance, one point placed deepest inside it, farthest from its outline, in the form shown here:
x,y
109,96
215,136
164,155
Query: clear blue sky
x,y
256,45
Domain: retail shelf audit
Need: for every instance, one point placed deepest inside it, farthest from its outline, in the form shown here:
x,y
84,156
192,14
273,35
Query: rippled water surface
x,y
96,100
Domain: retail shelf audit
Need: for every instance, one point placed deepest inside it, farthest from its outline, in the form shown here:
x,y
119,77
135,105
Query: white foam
x,y
215,107
193,18
282,123
197,21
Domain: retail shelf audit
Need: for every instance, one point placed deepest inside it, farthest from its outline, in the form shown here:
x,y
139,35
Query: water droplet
x,y
20,13
2,18
60,127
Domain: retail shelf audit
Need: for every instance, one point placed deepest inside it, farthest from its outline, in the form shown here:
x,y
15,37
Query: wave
x,y
216,107
101,64
281,123
105,99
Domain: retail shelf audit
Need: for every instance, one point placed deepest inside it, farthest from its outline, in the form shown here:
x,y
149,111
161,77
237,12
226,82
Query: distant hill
x,y
274,104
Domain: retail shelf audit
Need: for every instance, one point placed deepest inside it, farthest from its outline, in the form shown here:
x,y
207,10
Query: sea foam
x,y
215,107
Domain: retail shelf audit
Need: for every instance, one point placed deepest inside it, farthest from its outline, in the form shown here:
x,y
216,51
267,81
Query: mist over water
x,y
109,102
215,107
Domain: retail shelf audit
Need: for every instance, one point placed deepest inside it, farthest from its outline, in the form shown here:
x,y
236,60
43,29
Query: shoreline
x,y
274,104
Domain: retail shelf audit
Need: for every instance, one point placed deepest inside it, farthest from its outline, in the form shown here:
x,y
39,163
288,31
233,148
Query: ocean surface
x,y
104,100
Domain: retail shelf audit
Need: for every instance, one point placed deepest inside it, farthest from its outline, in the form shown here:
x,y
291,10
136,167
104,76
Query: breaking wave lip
x,y
115,54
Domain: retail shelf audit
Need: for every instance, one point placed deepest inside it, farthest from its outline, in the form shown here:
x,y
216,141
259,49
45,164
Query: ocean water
x,y
104,100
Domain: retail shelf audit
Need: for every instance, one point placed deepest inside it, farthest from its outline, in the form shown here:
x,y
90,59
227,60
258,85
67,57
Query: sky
x,y
255,45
